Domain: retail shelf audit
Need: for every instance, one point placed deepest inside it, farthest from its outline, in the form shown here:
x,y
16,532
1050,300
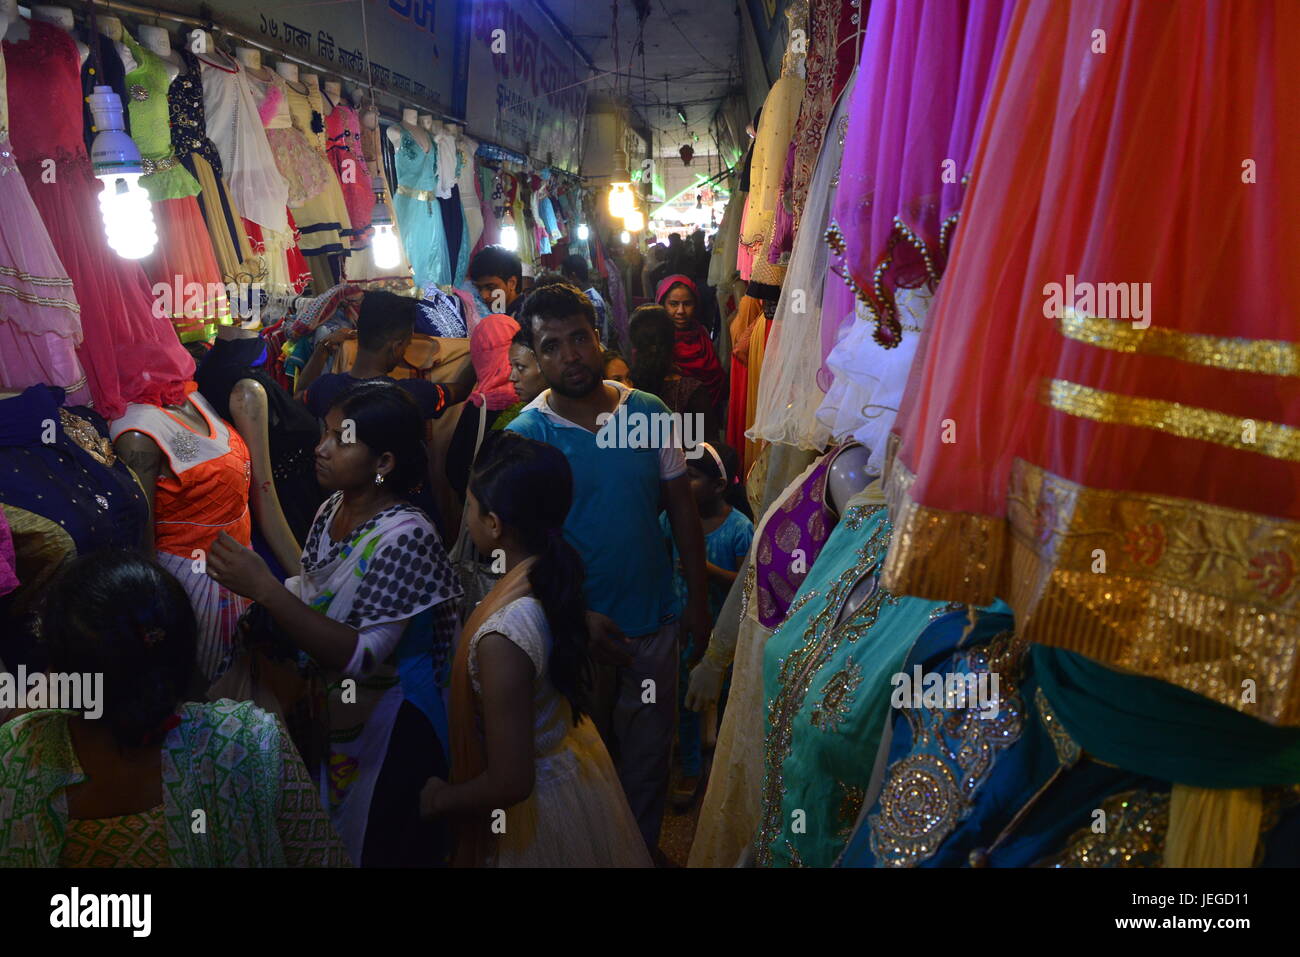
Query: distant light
x,y
625,237
583,232
509,237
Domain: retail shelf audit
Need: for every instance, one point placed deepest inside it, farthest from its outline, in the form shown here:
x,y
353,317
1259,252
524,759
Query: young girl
x,y
532,784
728,531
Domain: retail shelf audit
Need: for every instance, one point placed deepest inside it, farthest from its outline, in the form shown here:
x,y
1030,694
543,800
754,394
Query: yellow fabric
x,y
233,252
757,346
1213,827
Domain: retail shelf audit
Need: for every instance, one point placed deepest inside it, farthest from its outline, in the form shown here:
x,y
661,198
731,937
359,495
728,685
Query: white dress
x,y
235,127
576,815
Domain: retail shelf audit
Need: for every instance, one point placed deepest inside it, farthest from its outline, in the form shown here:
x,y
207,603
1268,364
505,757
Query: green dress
x,y
827,690
146,88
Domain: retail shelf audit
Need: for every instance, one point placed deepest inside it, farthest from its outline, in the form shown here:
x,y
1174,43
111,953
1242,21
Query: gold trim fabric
x,y
1262,356
1173,418
1204,597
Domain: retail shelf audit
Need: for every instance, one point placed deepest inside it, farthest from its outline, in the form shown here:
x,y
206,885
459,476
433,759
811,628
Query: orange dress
x,y
207,493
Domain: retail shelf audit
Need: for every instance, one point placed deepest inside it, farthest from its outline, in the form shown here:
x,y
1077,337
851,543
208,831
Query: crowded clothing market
x,y
744,433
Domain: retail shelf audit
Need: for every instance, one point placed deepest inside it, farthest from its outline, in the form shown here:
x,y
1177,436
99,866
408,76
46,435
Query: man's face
x,y
569,355
498,293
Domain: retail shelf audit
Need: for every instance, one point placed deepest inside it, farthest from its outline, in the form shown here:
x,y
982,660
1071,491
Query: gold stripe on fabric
x,y
57,303
1262,356
1273,439
14,273
1200,596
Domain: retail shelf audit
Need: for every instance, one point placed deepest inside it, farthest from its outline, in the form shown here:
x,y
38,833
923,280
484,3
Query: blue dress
x,y
419,217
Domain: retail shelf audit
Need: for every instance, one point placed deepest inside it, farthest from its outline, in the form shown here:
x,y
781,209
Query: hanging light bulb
x,y
634,221
384,249
625,237
583,232
620,187
509,237
124,204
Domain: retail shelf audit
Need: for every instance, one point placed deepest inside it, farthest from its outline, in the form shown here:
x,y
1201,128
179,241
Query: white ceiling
x,y
695,43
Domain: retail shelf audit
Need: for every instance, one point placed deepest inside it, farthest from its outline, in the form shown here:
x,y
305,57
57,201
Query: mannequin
x,y
849,476
157,41
429,123
249,415
111,27
410,121
287,70
370,118
249,59
311,79
62,18
334,90
12,25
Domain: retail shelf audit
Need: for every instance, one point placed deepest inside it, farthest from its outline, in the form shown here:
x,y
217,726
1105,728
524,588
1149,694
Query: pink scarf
x,y
489,351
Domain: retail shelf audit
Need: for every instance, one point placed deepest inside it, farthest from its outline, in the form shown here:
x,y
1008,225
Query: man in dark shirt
x,y
498,278
385,325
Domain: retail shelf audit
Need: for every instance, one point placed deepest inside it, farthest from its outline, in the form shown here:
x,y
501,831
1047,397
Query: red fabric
x,y
489,351
117,316
693,349
184,255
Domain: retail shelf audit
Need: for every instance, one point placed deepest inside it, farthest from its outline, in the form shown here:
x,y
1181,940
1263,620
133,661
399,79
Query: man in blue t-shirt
x,y
623,467
385,325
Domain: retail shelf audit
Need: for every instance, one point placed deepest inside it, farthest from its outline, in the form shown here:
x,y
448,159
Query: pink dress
x,y
130,353
343,129
40,320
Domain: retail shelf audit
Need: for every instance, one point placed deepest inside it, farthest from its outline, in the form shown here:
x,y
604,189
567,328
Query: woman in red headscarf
x,y
693,352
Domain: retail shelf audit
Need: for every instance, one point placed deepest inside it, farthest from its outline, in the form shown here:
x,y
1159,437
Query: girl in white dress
x,y
532,784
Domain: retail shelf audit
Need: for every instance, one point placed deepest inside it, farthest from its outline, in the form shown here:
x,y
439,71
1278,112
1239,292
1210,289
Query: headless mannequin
x,y
62,18
334,91
410,123
428,123
157,42
848,476
111,27
311,80
12,25
288,70
200,42
251,61
249,416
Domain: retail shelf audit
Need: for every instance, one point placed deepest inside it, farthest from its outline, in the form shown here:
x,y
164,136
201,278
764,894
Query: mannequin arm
x,y
848,476
145,459
248,408
705,687
449,503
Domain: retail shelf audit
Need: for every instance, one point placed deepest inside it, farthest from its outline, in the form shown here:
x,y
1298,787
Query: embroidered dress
x,y
576,815
230,758
198,154
40,320
797,519
391,580
343,130
206,494
419,214
328,213
118,325
826,679
183,261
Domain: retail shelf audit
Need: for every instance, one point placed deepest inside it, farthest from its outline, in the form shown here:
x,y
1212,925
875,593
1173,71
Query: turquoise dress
x,y
827,692
419,218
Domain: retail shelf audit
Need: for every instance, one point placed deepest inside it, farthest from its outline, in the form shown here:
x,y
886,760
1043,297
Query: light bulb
x,y
509,237
634,222
620,199
128,216
384,248
625,237
583,232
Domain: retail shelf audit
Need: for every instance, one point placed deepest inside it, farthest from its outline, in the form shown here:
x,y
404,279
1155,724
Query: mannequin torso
x,y
157,42
111,27
12,26
334,90
410,123
251,61
848,476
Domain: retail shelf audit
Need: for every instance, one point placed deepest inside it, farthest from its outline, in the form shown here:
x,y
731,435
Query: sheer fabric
x,y
790,391
1130,489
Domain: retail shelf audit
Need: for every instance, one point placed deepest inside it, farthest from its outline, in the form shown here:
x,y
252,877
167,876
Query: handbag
x,y
475,574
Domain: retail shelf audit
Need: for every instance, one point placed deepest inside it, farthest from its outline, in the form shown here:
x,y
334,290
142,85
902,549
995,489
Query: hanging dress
x,y
129,353
198,154
182,262
40,320
206,494
259,191
343,133
324,225
362,269
418,212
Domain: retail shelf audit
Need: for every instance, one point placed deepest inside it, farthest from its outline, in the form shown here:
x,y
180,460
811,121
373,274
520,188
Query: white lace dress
x,y
577,815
